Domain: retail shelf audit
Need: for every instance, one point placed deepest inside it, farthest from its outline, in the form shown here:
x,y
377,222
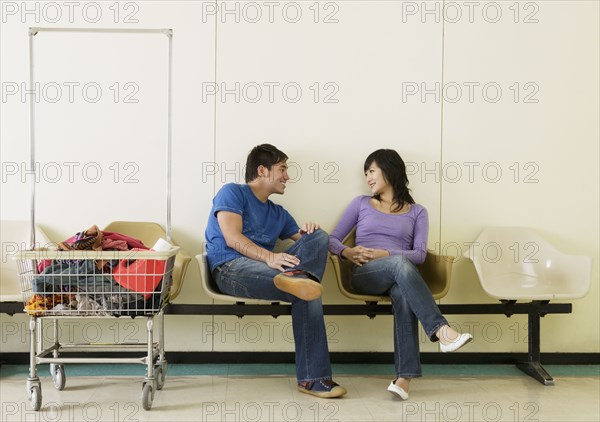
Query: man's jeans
x,y
249,278
411,301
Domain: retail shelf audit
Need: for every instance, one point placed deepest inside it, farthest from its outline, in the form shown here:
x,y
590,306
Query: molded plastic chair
x,y
212,290
436,271
149,233
15,236
516,263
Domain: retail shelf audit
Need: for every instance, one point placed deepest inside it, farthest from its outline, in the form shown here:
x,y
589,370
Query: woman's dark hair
x,y
262,155
393,169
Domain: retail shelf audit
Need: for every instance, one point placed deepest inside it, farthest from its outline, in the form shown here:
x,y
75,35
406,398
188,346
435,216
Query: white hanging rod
x,y
166,31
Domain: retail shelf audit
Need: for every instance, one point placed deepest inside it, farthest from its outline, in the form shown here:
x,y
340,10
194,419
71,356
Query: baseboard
x,y
336,357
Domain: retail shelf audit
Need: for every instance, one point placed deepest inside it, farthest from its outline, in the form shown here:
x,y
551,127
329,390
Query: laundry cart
x,y
79,284
81,280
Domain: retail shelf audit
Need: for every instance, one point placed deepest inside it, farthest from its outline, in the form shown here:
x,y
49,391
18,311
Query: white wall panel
x,y
533,150
337,80
372,74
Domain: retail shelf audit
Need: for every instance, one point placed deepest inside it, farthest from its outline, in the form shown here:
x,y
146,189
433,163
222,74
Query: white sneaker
x,y
463,339
397,391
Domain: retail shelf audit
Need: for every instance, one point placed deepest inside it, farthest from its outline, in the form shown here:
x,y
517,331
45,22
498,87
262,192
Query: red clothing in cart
x,y
141,276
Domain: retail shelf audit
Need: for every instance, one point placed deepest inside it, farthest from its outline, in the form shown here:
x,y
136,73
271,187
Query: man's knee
x,y
321,235
321,239
316,242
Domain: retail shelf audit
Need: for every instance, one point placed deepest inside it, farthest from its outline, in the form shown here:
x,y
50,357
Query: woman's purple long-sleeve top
x,y
399,234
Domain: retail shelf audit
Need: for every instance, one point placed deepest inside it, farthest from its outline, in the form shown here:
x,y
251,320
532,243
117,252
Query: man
x,y
241,233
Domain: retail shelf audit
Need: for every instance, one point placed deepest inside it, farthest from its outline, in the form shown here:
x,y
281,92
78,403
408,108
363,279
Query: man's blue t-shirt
x,y
262,222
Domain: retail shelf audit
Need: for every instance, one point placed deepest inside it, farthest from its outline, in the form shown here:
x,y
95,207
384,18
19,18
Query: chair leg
x,y
533,367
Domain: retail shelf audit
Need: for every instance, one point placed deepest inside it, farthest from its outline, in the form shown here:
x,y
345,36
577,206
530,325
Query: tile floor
x,y
223,396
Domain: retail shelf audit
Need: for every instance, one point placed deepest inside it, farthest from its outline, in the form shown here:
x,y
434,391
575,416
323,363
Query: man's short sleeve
x,y
290,228
229,198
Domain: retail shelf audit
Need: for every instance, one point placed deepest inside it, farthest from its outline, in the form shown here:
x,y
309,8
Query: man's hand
x,y
308,228
282,261
360,255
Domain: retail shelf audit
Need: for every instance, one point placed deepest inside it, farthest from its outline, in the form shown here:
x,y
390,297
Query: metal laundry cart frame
x,y
155,358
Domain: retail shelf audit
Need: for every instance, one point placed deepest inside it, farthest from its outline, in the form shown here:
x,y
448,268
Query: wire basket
x,y
94,283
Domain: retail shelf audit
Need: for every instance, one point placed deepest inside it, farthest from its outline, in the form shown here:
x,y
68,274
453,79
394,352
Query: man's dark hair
x,y
262,155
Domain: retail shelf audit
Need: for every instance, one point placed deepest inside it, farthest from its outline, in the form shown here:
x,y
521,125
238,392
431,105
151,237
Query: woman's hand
x,y
360,255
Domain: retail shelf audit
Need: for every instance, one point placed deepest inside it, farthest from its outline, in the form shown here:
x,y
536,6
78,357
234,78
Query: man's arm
x,y
231,226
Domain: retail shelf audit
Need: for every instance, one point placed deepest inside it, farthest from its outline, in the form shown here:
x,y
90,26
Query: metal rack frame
x,y
155,359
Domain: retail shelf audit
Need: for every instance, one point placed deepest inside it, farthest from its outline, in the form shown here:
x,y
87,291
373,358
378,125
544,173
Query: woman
x,y
391,238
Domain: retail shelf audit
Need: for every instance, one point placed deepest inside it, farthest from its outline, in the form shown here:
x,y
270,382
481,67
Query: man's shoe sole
x,y
302,288
337,391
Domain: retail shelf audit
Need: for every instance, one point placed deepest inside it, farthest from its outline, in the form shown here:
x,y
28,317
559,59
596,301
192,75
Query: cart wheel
x,y
147,396
59,378
52,368
36,397
160,375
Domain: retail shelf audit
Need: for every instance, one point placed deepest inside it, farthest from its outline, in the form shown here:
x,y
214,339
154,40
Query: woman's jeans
x,y
411,301
249,278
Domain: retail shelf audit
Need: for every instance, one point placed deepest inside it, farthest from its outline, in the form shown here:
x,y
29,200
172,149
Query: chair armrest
x,y
179,270
437,272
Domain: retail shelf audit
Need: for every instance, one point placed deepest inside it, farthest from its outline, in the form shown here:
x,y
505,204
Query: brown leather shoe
x,y
294,283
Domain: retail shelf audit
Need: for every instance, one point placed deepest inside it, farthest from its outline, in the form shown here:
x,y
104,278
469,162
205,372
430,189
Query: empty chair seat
x,y
516,263
16,236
